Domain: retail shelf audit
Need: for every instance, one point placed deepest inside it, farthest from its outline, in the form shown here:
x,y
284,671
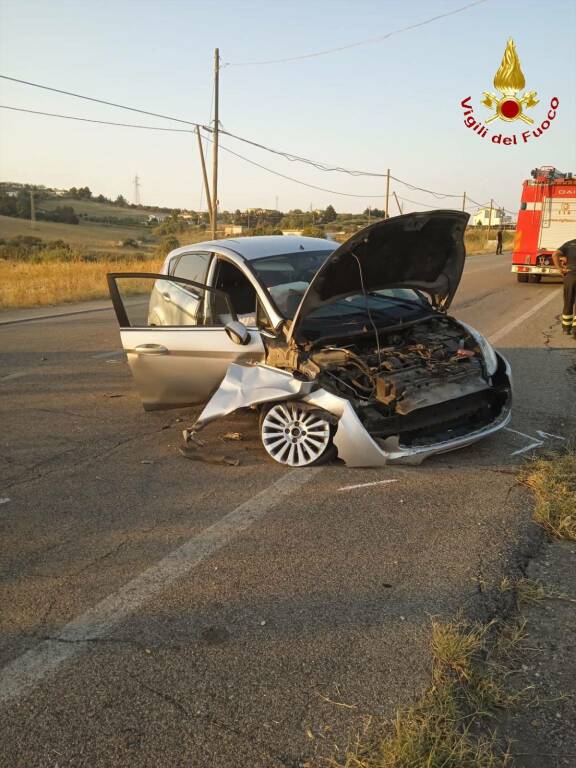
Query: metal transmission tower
x,y
136,190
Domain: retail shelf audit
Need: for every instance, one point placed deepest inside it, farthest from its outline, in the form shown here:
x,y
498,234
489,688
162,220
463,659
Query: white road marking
x,y
366,485
27,670
536,442
12,376
495,337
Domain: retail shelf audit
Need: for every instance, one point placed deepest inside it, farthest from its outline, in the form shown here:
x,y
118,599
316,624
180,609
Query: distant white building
x,y
487,216
296,232
157,218
233,229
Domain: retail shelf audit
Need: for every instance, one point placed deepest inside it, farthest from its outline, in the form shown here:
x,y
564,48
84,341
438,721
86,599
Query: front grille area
x,y
444,421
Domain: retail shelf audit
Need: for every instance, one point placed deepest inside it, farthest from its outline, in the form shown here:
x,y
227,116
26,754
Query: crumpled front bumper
x,y
245,386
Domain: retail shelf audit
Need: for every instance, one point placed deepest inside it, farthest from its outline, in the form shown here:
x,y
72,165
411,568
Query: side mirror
x,y
237,332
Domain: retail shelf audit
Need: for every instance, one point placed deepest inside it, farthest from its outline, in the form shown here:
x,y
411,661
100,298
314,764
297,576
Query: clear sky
x,y
391,104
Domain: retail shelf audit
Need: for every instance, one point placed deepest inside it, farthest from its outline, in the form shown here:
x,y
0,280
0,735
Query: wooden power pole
x,y
490,219
398,203
32,210
205,176
387,211
215,144
464,201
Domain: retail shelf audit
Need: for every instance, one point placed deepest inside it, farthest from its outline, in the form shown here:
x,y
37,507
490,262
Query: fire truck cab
x,y
546,220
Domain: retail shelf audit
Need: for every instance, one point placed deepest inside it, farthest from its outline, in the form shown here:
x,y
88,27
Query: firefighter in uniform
x,y
565,260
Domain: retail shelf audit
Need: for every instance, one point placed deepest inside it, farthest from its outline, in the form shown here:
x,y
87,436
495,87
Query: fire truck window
x,y
523,207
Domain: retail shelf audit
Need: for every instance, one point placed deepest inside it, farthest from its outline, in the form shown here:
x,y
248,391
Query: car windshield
x,y
288,276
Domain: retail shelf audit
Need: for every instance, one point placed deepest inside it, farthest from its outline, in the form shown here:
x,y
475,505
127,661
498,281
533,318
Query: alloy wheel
x,y
294,435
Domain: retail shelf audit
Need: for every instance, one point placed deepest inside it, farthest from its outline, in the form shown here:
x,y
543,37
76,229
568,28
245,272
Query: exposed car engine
x,y
410,380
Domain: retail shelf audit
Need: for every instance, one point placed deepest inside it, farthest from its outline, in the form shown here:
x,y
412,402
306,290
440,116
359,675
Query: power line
x,y
335,168
366,41
183,130
99,101
287,155
231,152
291,178
99,122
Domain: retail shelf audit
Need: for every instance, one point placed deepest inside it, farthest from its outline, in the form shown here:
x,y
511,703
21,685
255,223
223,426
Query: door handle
x,y
150,349
166,297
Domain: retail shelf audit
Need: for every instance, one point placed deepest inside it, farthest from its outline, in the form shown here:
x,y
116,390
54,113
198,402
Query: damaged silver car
x,y
344,350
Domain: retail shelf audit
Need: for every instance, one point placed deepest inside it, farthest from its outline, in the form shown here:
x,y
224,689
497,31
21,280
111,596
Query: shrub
x,y
166,245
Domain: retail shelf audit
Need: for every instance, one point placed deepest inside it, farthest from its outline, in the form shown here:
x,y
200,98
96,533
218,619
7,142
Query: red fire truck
x,y
546,219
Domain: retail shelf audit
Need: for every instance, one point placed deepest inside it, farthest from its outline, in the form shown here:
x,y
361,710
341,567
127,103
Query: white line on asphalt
x,y
27,670
495,337
365,485
12,376
537,442
516,432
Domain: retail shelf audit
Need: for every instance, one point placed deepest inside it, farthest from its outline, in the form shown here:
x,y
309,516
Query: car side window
x,y
192,266
240,290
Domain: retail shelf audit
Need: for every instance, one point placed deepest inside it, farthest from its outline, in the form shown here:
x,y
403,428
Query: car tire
x,y
295,435
522,278
534,278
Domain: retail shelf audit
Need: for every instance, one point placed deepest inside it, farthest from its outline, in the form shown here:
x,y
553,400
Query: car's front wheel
x,y
295,435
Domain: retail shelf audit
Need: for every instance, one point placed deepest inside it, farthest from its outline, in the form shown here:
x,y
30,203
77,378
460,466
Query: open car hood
x,y
422,251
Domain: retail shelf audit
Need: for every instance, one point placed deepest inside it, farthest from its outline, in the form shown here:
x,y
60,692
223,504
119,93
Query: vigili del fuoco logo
x,y
509,104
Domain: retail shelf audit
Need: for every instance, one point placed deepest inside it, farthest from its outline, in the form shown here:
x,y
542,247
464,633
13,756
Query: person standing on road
x,y
499,236
565,260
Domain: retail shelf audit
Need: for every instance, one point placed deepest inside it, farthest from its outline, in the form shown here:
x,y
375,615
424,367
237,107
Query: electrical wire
x,y
93,120
366,41
235,154
321,166
291,178
99,101
367,305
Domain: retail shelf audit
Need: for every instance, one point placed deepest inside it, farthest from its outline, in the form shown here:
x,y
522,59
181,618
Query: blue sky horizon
x,y
394,103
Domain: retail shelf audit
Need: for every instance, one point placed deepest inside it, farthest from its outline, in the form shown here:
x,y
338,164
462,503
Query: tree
x,y
329,214
64,214
120,200
166,245
374,213
312,231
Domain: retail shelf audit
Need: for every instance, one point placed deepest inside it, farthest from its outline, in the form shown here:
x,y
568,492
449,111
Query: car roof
x,y
250,248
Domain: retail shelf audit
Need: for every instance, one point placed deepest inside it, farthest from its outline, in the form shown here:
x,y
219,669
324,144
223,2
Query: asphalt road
x,y
159,611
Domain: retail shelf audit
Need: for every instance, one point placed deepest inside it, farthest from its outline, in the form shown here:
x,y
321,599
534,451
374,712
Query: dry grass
x,y
35,285
552,480
94,236
476,240
443,729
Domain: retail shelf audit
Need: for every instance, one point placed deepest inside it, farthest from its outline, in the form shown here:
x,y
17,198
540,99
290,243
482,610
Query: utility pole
x,y
397,203
136,190
32,210
464,201
215,143
490,219
205,176
387,210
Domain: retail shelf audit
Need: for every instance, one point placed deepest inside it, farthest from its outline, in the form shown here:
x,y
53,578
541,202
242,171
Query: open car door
x,y
173,333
